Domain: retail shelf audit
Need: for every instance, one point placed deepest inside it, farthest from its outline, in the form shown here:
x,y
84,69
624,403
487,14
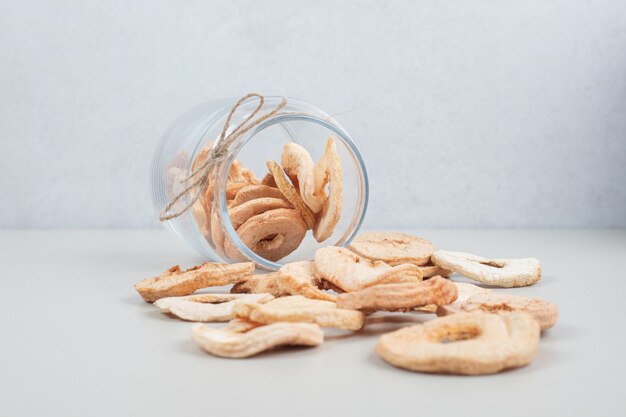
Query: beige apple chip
x,y
545,312
464,291
497,272
393,248
253,192
350,272
272,235
295,278
244,339
299,166
400,297
297,308
175,283
207,307
328,169
291,194
240,214
466,344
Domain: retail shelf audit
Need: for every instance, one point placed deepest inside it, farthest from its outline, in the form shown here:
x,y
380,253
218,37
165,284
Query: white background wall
x,y
469,113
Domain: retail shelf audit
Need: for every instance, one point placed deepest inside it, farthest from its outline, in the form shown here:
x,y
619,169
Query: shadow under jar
x,y
207,226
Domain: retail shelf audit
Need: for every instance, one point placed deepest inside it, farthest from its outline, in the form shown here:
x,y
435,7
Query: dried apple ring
x,y
239,177
302,278
272,235
296,308
207,307
242,338
175,283
351,272
260,283
295,278
466,343
329,167
545,312
400,297
299,166
239,214
464,291
393,248
254,191
232,188
498,272
290,193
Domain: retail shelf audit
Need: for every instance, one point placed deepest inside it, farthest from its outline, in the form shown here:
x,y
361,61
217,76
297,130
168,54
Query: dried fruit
x,y
545,312
272,235
299,166
260,283
496,272
464,291
297,308
207,307
174,282
217,233
351,272
252,192
246,197
239,178
243,339
240,214
466,343
393,248
290,193
199,215
296,278
240,174
328,169
233,188
400,297
301,278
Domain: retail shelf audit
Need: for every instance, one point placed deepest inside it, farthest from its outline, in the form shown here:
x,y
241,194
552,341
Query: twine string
x,y
219,152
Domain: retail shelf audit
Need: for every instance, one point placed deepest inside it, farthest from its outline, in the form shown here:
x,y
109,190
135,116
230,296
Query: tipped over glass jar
x,y
264,179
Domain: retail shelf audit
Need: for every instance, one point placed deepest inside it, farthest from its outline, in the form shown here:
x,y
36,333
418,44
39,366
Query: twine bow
x,y
219,152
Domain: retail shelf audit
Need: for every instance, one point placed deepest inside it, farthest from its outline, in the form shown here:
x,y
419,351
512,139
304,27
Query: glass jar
x,y
192,137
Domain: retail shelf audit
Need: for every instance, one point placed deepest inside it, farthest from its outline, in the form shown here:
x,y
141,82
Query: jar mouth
x,y
323,121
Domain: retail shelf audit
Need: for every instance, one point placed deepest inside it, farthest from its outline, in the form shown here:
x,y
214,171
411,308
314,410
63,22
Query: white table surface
x,y
78,341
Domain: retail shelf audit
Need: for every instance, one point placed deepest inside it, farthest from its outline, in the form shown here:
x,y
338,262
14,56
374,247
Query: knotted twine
x,y
219,152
